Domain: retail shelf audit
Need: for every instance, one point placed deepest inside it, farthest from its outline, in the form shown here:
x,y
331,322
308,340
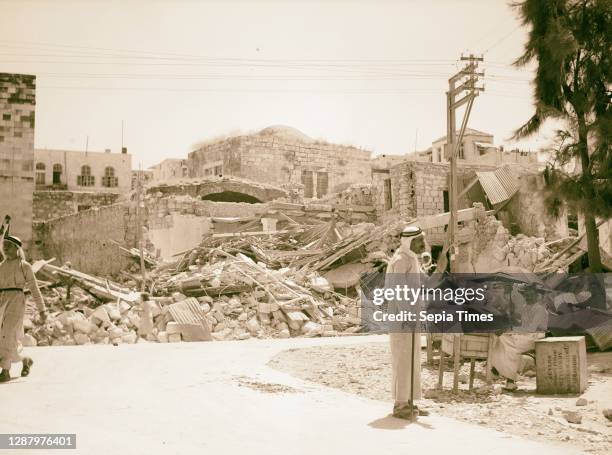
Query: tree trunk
x,y
592,234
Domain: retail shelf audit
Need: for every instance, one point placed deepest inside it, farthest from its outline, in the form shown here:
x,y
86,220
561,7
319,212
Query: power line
x,y
260,90
502,39
191,57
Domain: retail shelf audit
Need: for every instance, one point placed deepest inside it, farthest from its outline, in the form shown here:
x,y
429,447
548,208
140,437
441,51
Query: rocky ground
x,y
366,370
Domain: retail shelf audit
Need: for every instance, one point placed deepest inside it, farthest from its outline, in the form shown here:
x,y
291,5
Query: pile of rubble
x,y
233,286
497,249
296,277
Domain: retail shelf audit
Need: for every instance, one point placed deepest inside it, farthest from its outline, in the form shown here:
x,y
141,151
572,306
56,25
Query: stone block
x,y
174,338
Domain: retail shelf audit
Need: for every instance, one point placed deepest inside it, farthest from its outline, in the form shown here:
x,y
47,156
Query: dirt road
x,y
365,370
219,397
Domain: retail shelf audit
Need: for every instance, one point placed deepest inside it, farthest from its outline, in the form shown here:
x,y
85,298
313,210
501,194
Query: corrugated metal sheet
x,y
187,311
498,185
191,319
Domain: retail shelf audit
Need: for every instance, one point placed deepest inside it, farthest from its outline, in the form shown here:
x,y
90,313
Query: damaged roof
x,y
499,185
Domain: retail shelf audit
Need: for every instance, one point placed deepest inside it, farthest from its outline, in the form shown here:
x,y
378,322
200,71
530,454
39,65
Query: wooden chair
x,y
473,346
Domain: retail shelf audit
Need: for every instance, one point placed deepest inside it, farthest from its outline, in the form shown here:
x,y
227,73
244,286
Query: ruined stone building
x,y
478,147
17,111
69,181
169,170
283,156
145,176
415,189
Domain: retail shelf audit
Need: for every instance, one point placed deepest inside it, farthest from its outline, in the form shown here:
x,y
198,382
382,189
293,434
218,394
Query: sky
x,y
372,74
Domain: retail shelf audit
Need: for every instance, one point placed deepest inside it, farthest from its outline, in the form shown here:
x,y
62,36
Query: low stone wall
x,y
53,204
85,239
357,194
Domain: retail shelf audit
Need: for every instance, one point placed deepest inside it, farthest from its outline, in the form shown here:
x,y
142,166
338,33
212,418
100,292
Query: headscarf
x,y
410,233
16,241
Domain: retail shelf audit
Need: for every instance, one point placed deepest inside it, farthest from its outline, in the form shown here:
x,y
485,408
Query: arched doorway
x,y
231,196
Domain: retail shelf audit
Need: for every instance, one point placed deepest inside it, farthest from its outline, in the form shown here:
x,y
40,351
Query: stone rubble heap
x,y
498,249
234,288
244,284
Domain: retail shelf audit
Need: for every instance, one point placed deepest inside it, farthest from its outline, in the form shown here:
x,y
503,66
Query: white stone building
x,y
74,170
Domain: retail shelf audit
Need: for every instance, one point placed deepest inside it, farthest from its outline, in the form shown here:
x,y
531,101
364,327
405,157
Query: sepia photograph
x,y
306,226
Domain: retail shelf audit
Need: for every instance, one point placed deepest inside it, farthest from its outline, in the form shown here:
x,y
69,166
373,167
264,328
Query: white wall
x,y
72,161
185,233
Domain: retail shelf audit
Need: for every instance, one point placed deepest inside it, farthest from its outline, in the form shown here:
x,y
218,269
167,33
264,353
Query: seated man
x,y
507,349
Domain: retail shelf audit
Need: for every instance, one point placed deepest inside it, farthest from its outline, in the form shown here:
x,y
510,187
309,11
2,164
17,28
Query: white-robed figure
x,y
404,268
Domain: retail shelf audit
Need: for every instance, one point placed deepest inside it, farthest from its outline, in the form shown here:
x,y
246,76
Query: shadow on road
x,y
393,423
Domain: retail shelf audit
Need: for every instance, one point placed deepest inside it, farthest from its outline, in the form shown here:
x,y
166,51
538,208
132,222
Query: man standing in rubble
x,y
404,268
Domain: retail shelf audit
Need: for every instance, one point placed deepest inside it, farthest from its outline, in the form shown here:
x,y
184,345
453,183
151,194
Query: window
x,y
109,180
461,152
446,201
57,174
6,117
218,170
40,173
18,134
85,179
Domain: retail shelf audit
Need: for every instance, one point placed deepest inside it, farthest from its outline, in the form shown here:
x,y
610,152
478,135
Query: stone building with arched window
x,y
69,181
83,171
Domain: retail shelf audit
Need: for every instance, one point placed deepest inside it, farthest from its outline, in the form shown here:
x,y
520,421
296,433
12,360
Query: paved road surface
x,y
218,398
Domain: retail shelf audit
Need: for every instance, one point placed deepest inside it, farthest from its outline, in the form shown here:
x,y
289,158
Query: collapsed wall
x,y
527,211
85,239
54,204
171,224
493,248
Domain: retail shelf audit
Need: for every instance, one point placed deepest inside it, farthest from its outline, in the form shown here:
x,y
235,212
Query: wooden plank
x,y
254,234
456,360
441,370
354,208
83,277
442,219
467,188
218,291
286,206
472,364
566,249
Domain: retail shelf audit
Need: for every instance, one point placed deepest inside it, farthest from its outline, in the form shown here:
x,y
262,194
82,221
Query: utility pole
x,y
464,82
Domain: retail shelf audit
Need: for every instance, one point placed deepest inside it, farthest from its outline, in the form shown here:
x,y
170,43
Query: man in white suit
x,y
404,268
